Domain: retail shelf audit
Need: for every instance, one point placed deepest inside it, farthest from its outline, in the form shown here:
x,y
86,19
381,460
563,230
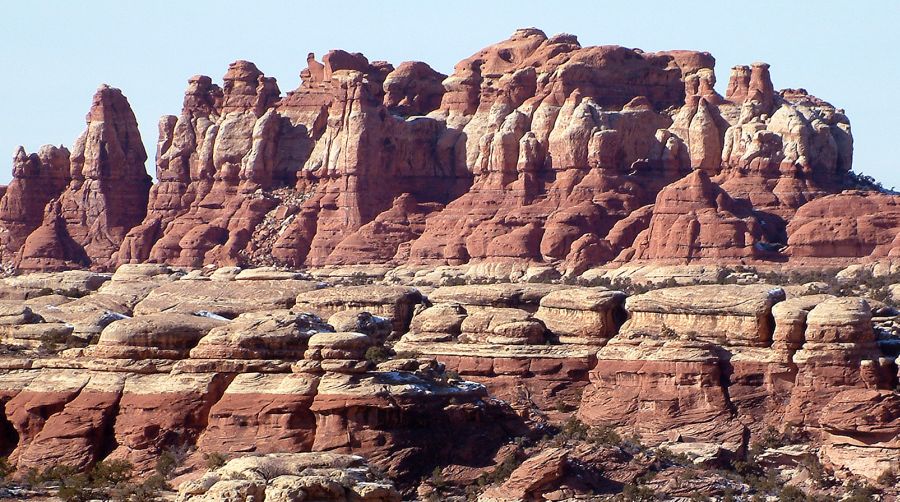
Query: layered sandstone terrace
x,y
559,273
444,389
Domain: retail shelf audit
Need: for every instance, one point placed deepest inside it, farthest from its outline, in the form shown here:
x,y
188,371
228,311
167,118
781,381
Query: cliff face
x,y
534,150
444,379
88,199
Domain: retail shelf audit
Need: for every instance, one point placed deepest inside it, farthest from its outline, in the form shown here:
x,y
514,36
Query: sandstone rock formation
x,y
535,150
468,242
292,477
105,194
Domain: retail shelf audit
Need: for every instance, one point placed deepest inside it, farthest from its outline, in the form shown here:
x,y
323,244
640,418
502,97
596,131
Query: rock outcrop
x,y
105,195
535,150
292,477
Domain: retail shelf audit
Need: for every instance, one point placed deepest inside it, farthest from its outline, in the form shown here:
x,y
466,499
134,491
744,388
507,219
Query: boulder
x,y
728,314
153,336
279,334
228,301
582,315
393,302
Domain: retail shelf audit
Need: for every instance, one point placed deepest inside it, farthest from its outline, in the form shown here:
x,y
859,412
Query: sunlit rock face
x,y
534,150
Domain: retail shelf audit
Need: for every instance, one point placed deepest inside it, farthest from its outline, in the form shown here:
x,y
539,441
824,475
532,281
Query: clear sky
x,y
54,54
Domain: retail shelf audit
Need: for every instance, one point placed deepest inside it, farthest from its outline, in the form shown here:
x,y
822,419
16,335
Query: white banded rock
x,y
228,300
790,320
393,302
727,314
291,477
279,334
526,296
439,323
582,315
503,326
159,336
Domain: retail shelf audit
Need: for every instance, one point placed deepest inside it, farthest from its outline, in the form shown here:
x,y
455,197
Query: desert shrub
x,y
437,478
772,438
171,459
817,471
5,468
110,473
377,354
887,478
572,429
604,435
166,464
148,491
791,493
637,493
860,493
215,460
75,488
56,473
502,472
32,477
668,457
563,407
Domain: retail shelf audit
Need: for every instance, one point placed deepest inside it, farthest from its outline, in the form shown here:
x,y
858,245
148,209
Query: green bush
x,y
148,491
437,478
5,468
110,473
377,354
791,493
637,493
215,460
604,435
166,464
668,457
502,472
573,429
75,488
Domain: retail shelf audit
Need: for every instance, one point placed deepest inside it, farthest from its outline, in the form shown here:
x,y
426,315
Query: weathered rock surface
x,y
536,161
236,298
583,315
730,315
534,150
291,477
393,302
105,194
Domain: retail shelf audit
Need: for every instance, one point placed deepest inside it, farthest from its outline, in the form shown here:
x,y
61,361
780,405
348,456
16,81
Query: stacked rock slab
x,y
839,353
495,334
291,477
704,363
395,303
862,432
174,377
699,353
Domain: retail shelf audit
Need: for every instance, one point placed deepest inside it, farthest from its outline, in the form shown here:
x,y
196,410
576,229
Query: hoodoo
x,y
557,273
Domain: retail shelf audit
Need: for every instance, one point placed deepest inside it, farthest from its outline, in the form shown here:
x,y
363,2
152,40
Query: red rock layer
x,y
534,149
104,196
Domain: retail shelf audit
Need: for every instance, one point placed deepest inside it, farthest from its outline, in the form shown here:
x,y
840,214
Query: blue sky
x,y
54,54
